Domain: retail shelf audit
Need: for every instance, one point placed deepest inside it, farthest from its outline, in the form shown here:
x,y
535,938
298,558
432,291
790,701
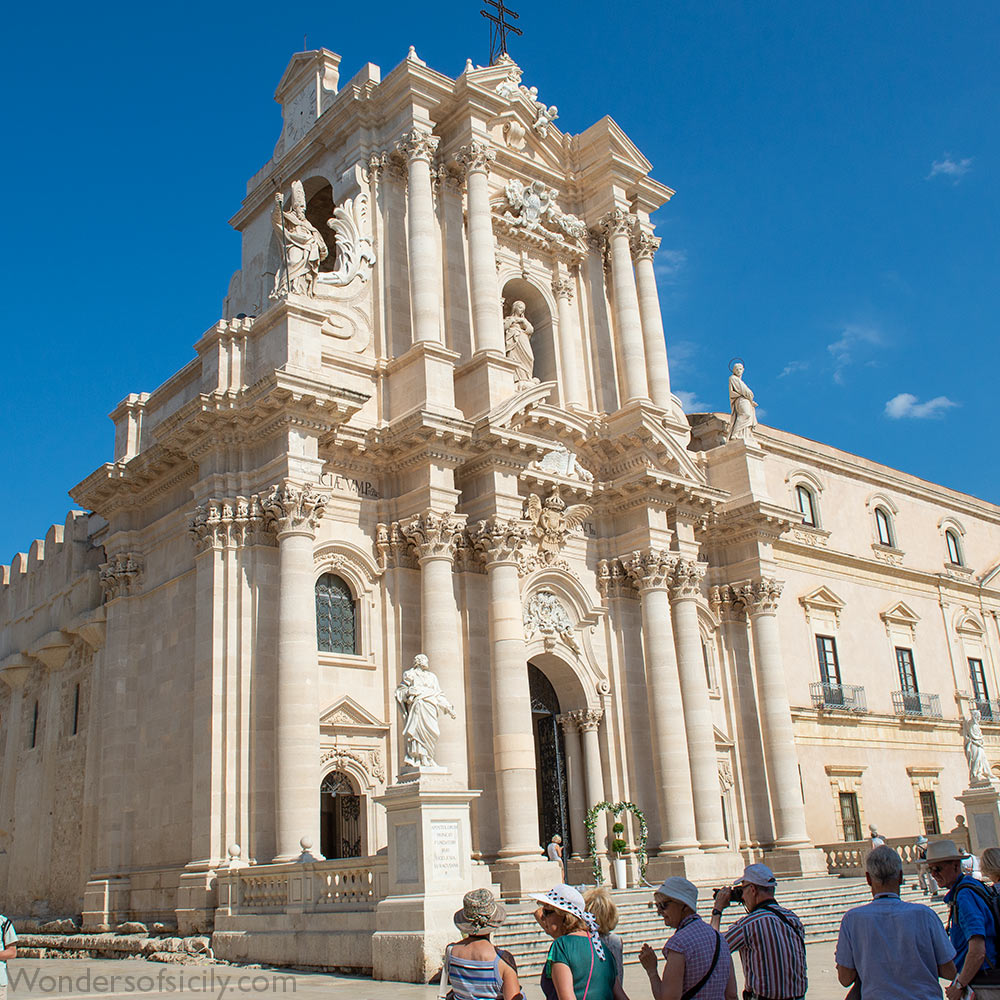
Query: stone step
x,y
820,905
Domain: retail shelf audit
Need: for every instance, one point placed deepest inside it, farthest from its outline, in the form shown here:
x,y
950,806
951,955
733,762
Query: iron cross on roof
x,y
499,28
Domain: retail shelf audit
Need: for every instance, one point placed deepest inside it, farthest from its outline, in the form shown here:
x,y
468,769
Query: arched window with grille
x,y
336,616
954,547
806,502
883,527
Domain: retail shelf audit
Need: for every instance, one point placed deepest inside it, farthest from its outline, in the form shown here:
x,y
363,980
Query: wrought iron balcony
x,y
910,704
989,711
838,697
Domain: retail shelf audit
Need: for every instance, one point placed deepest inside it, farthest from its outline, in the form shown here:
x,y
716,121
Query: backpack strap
x,y
693,992
4,927
772,907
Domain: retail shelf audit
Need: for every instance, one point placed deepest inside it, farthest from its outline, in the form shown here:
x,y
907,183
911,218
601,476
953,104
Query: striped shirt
x,y
475,980
773,953
695,940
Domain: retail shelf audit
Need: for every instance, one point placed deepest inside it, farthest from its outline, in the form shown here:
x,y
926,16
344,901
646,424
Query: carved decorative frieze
x,y
392,548
551,522
562,462
433,535
290,507
725,775
230,523
533,209
370,761
652,569
760,597
498,540
613,580
418,145
644,246
121,574
687,578
545,615
476,157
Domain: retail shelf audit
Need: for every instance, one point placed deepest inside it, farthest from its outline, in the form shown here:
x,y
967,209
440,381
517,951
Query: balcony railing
x,y
911,704
989,711
838,697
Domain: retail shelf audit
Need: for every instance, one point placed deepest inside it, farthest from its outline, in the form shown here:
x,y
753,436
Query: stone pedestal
x,y
105,903
430,870
800,862
196,902
982,809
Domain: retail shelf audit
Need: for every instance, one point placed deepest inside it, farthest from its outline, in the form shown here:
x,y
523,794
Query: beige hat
x,y
681,890
480,913
943,850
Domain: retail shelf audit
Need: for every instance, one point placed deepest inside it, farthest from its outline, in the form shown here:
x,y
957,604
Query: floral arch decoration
x,y
616,809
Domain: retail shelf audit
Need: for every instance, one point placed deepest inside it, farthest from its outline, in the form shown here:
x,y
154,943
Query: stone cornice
x,y
750,520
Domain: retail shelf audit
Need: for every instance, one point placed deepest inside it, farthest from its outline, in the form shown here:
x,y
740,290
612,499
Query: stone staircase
x,y
819,903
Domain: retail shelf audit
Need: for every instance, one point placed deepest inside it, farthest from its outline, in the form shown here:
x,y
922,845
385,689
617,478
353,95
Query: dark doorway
x,y
340,817
550,761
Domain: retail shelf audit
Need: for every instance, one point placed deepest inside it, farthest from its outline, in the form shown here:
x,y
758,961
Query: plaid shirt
x,y
695,940
773,954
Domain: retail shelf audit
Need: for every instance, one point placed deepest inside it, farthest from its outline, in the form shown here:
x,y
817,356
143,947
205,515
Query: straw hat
x,y
480,913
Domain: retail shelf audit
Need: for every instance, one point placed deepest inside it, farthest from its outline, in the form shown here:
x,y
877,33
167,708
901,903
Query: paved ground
x,y
100,979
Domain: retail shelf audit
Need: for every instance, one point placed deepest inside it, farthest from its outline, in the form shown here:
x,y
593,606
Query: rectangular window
x,y
709,672
829,667
979,691
849,816
929,813
907,671
76,709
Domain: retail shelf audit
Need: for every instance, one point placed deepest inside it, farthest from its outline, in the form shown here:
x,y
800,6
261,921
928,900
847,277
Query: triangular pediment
x,y
348,714
823,599
605,140
900,614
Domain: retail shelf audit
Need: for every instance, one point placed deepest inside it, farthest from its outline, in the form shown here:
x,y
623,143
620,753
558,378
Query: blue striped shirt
x,y
472,979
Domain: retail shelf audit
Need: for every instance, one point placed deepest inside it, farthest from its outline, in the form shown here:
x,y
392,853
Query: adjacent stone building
x,y
436,417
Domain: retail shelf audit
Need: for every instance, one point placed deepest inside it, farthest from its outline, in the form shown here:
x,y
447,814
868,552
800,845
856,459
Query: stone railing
x,y
309,887
847,858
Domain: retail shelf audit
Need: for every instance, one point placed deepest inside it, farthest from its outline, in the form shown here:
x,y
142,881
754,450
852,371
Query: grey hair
x,y
884,865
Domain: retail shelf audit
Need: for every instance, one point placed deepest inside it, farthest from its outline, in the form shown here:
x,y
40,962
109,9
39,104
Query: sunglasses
x,y
547,911
936,869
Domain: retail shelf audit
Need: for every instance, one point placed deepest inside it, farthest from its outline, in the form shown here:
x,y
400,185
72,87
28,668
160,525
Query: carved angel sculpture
x,y
303,247
552,521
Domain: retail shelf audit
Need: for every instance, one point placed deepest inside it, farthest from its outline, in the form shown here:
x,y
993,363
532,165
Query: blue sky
x,y
835,222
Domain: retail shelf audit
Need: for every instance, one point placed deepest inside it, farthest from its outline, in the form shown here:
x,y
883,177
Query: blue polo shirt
x,y
970,917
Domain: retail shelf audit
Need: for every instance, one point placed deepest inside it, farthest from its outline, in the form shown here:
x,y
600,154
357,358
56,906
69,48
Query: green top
x,y
576,950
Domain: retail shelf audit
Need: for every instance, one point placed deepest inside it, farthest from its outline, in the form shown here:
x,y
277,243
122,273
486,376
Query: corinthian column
x,y
499,541
651,571
631,355
296,512
761,601
569,341
575,785
685,591
589,721
486,314
419,147
644,247
433,537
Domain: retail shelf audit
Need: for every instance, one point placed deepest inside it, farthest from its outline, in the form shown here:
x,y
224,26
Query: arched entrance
x,y
550,760
340,817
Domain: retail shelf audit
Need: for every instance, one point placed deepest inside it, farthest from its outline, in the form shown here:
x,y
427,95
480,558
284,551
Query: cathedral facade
x,y
436,417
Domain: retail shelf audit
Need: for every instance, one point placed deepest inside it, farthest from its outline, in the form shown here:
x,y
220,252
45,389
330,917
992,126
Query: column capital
x,y
433,535
725,602
617,223
392,547
418,145
476,157
588,719
568,722
644,245
293,509
15,670
685,584
499,541
760,597
613,579
563,288
652,569
121,574
230,523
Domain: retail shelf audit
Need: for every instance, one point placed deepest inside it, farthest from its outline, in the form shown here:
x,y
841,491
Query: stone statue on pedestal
x,y
742,406
303,246
517,333
979,766
420,698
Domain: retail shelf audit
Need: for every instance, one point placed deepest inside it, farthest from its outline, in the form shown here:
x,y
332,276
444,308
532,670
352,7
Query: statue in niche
x,y
517,333
975,754
420,699
303,248
742,407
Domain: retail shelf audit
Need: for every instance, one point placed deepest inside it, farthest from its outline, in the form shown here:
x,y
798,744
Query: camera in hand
x,y
736,894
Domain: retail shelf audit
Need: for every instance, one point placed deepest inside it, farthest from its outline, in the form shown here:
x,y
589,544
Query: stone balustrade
x,y
847,858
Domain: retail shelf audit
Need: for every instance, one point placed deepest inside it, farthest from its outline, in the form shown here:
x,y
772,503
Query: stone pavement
x,y
108,979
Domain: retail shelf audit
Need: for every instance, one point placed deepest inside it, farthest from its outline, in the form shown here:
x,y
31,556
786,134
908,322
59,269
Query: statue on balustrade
x,y
421,699
975,754
742,406
303,248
